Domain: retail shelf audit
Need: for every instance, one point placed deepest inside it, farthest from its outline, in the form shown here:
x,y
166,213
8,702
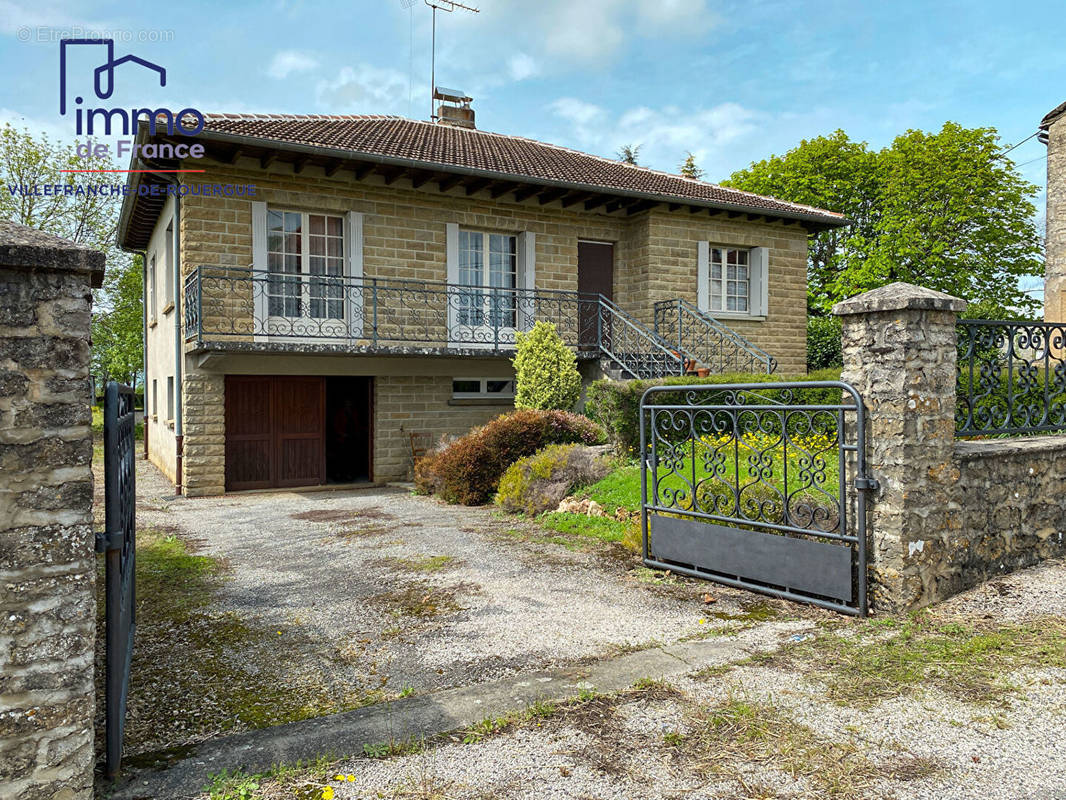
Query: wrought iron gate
x,y
744,486
118,542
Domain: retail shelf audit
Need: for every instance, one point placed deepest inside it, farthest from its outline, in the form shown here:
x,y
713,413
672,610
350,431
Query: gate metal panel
x,y
118,542
742,486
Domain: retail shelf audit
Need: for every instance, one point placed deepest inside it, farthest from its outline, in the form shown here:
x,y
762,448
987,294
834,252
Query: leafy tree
x,y
944,210
36,160
117,343
689,168
629,153
546,375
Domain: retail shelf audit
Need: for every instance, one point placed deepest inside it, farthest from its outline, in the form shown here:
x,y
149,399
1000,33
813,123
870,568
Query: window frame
x,y
151,289
724,280
306,297
170,398
482,393
168,267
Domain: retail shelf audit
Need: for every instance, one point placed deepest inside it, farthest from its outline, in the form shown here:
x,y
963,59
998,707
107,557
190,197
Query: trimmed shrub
x,y
823,343
546,375
539,482
616,404
468,470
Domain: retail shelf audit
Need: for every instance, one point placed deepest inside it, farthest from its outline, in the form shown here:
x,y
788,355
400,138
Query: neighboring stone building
x,y
47,563
1054,123
370,285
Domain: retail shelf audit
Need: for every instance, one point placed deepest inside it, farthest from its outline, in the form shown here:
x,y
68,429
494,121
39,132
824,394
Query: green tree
x,y
117,325
546,375
629,153
689,168
28,160
944,210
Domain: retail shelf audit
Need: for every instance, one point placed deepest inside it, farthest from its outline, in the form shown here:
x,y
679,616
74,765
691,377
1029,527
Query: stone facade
x,y
404,237
47,563
1055,263
947,514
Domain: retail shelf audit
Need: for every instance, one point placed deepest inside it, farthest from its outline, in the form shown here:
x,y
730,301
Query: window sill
x,y
168,307
732,315
481,401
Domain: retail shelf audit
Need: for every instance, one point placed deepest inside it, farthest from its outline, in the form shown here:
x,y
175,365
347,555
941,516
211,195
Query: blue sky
x,y
731,81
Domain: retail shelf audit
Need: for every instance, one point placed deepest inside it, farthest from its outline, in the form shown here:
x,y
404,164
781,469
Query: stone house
x,y
323,287
1053,133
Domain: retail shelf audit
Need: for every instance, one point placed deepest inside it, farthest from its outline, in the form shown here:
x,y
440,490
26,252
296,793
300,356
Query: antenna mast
x,y
449,6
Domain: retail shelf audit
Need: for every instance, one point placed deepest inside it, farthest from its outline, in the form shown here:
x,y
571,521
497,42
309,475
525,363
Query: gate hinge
x,y
108,541
867,484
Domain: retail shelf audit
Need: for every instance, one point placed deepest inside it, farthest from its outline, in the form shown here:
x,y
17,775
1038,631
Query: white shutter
x,y
527,279
259,260
452,246
759,263
358,291
453,252
703,276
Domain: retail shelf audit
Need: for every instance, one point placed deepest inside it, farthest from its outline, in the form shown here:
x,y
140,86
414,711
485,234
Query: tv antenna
x,y
443,5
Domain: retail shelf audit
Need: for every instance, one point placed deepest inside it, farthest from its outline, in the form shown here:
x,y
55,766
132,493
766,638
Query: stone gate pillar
x,y
899,353
47,563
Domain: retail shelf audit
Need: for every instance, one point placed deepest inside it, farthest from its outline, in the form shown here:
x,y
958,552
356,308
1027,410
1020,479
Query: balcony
x,y
249,310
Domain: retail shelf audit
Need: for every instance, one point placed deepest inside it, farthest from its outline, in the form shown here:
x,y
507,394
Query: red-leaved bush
x,y
468,470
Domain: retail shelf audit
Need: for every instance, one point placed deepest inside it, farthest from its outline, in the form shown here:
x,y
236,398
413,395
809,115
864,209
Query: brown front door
x,y
595,275
275,431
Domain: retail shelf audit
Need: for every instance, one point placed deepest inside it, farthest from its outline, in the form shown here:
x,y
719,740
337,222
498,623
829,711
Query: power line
x,y
1023,141
1032,160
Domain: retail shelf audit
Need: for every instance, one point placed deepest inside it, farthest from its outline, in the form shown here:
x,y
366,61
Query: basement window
x,y
482,388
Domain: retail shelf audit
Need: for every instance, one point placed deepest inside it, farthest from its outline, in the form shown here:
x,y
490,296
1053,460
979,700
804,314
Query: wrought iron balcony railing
x,y
242,305
1011,377
712,344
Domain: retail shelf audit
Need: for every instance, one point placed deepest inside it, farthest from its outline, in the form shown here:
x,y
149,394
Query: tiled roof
x,y
1052,115
445,146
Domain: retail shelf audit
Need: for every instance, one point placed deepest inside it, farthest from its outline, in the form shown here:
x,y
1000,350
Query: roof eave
x,y
296,147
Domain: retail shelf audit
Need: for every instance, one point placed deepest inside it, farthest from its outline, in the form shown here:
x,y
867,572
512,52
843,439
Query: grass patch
x,y
299,781
419,600
97,424
880,659
603,529
198,671
744,740
419,563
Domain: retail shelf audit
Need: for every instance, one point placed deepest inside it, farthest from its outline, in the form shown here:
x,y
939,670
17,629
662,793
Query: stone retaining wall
x,y
47,563
947,514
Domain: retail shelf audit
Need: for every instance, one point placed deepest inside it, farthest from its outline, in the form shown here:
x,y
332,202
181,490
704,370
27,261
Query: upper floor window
x,y
730,280
733,280
487,260
168,268
151,287
301,244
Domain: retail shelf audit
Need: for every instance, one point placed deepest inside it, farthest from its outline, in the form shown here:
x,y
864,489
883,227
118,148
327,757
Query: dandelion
x,y
327,793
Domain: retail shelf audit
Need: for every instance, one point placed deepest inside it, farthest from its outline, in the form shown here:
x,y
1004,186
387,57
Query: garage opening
x,y
349,440
286,430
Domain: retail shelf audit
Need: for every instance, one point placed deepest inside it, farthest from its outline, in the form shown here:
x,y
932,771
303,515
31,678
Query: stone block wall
x,y
947,514
47,562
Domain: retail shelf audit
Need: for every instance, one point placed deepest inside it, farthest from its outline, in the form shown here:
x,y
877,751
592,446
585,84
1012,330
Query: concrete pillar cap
x,y
897,297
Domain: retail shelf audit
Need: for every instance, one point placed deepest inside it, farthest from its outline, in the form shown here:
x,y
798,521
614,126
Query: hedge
x,y
616,404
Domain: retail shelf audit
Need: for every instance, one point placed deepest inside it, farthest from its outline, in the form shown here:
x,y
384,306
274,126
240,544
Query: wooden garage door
x,y
275,431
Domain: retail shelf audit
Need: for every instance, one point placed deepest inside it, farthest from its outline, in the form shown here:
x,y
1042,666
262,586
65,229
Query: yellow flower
x,y
327,793
351,779
338,777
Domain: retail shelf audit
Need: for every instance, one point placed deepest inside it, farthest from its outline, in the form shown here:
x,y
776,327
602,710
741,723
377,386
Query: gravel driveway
x,y
419,595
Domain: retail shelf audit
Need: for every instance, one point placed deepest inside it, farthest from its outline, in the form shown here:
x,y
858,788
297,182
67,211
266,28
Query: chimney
x,y
454,108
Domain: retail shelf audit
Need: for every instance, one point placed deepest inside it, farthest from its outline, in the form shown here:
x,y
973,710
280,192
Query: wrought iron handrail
x,y
638,351
243,304
1011,377
714,345
238,303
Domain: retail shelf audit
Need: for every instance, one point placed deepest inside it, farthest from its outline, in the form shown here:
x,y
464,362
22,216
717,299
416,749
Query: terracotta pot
x,y
702,372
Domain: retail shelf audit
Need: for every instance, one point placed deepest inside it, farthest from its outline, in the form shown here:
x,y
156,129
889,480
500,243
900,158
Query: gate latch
x,y
108,540
867,484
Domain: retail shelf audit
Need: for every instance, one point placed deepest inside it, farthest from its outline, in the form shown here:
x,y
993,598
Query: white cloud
x,y
288,62
365,89
521,66
17,18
